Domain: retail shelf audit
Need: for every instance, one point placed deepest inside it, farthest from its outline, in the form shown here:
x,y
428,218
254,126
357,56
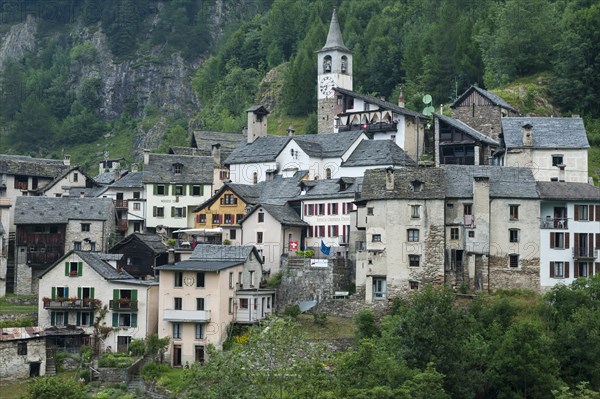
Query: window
x,y
230,307
87,319
254,177
468,209
179,190
136,206
454,233
125,320
232,234
243,303
202,218
199,331
513,235
77,245
92,246
367,107
216,219
334,209
22,348
230,279
177,303
557,269
514,212
261,217
360,245
159,211
557,160
196,190
251,278
321,209
513,260
176,330
582,212
328,173
269,303
340,100
75,177
85,227
199,303
177,168
471,234
228,219
370,211
416,186
178,212
557,240
74,269
413,285
320,231
137,195
178,279
376,237
379,288
415,211
259,237
334,231
414,260
239,278
582,268
160,189
229,199
200,280
413,235
224,175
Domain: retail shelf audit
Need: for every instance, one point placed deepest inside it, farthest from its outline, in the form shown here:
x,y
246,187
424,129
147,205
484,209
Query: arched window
x,y
327,64
255,178
344,64
328,173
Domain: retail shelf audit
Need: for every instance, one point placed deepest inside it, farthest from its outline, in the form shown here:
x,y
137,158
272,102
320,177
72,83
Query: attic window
x,y
177,168
557,160
416,186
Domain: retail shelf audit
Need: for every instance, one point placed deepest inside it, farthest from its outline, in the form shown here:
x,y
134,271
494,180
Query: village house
x,y
554,148
482,110
142,253
22,353
75,290
68,223
201,297
569,232
129,197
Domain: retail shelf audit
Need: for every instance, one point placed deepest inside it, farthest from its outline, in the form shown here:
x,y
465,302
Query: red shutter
x,y
567,240
576,243
329,209
305,209
576,270
597,240
551,269
344,208
591,215
567,266
552,239
576,216
591,246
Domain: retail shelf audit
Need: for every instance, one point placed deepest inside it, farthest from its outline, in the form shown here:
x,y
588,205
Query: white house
x,y
129,197
75,289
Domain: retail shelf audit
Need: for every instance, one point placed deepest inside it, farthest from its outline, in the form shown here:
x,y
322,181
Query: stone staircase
x,y
50,363
136,384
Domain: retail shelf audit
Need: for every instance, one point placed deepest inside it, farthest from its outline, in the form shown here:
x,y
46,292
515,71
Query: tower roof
x,y
335,41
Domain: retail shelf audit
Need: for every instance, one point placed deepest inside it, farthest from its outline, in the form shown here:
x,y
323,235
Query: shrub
x,y
137,347
226,242
365,324
59,359
275,280
309,253
292,311
54,388
320,318
152,371
87,353
117,359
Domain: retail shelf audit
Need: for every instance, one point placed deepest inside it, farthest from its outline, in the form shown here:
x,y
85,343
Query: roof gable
x,y
153,242
96,261
463,127
505,181
380,103
408,183
284,214
491,97
546,132
168,168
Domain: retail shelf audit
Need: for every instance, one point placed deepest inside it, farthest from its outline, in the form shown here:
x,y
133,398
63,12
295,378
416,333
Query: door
x,y
34,369
176,355
199,353
123,343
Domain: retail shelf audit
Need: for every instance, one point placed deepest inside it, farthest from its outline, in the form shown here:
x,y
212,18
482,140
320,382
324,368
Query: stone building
x,y
22,353
482,110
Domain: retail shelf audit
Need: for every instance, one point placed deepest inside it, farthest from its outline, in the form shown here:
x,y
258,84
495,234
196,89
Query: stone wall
x,y
485,119
527,276
301,282
19,316
15,366
23,280
325,115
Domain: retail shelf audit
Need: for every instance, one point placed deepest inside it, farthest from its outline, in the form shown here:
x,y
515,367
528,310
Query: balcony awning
x,y
201,232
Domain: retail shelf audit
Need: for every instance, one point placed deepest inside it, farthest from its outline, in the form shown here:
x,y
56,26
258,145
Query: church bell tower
x,y
334,70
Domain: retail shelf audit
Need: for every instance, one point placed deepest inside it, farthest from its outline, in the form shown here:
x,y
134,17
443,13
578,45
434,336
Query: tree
x,y
54,388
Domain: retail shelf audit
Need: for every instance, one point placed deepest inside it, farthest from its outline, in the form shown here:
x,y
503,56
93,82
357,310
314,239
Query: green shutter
x,y
78,322
183,189
201,189
191,189
184,211
53,293
66,268
115,320
79,293
52,318
172,211
134,295
66,292
156,189
79,268
167,189
134,320
116,294
92,292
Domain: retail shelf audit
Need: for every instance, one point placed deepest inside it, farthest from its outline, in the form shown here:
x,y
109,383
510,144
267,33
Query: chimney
x,y
170,256
401,98
389,179
382,98
146,156
67,160
216,153
82,194
527,134
117,174
134,167
290,131
257,122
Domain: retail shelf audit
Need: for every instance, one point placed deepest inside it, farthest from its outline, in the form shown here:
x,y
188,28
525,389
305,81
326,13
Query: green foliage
x,y
308,253
365,324
320,318
59,359
292,311
54,388
156,346
87,353
137,347
151,371
115,359
275,280
26,322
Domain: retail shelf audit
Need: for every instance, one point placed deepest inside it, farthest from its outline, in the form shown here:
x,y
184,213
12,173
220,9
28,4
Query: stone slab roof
x,y
153,241
381,103
431,179
24,165
263,149
284,214
53,210
505,181
329,145
330,188
195,169
199,265
109,177
211,257
130,180
379,152
335,40
96,261
463,127
547,132
203,141
554,190
493,98
87,192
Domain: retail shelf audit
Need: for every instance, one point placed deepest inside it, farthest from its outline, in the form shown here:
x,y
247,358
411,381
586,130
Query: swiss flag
x,y
293,245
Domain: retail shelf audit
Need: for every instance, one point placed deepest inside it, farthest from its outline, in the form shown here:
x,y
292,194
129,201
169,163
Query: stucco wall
x,y
540,161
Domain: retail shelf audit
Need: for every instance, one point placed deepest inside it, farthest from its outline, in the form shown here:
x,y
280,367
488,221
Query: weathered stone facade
x,y
485,119
501,276
325,115
20,358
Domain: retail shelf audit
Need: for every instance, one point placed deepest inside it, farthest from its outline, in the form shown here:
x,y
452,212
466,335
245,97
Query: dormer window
x,y
177,168
416,186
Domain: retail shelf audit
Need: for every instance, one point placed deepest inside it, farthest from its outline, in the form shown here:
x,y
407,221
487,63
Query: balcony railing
x,y
122,305
88,304
121,204
556,223
43,258
369,127
122,225
584,252
186,315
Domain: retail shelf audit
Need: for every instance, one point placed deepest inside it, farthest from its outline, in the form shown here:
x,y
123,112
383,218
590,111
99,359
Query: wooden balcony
x,y
68,304
121,305
121,204
122,225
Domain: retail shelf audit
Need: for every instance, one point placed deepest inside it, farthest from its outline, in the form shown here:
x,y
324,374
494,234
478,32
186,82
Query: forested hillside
x,y
97,69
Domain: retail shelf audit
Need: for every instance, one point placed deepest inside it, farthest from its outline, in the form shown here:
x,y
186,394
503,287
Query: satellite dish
x,y
426,99
428,110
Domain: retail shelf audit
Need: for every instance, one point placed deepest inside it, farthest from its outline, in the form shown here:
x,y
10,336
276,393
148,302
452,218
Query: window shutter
x,y
305,209
551,269
343,208
92,293
79,293
172,211
597,240
567,239
590,269
53,293
134,295
567,266
66,292
597,267
576,271
66,268
134,320
591,246
576,243
79,268
116,294
155,189
78,319
220,219
597,213
201,190
329,209
184,211
154,211
576,216
52,318
328,231
591,210
115,320
552,239
167,189
183,190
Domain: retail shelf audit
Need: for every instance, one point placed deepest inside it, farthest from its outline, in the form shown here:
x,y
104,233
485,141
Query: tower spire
x,y
335,41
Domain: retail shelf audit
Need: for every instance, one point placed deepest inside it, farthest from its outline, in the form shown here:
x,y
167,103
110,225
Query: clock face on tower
x,y
326,86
